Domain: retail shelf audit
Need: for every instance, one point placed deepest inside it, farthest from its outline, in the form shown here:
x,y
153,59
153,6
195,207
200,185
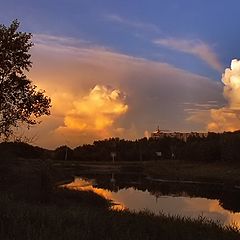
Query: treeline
x,y
12,150
215,147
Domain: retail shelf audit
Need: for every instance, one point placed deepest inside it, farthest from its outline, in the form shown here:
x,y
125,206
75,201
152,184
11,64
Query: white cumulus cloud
x,y
228,117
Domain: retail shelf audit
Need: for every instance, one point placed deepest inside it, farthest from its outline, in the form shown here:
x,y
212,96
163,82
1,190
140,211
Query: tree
x,y
20,101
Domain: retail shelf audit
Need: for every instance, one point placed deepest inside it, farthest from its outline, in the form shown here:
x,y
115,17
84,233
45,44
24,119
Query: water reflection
x,y
135,192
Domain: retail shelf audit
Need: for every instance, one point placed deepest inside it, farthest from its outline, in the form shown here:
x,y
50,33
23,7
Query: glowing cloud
x,y
96,111
228,117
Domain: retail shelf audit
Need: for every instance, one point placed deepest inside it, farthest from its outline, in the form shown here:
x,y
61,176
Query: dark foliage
x,y
215,147
20,101
13,150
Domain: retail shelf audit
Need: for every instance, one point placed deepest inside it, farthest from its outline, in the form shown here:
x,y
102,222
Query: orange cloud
x,y
96,111
224,119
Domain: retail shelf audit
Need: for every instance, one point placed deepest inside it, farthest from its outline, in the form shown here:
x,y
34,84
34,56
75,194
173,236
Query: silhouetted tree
x,y
20,101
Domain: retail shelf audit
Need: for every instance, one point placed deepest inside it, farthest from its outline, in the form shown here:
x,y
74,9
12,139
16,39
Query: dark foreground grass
x,y
27,221
31,208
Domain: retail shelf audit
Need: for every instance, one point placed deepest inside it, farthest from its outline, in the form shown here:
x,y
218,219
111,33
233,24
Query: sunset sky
x,y
121,68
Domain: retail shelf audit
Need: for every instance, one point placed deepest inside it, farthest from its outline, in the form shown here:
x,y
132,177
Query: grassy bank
x,y
31,207
217,172
194,171
28,221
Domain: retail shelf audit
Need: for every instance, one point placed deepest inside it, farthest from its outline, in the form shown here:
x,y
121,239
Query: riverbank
x,y
31,207
199,172
222,173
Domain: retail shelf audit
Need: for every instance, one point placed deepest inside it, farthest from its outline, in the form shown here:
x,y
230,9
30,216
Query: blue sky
x,y
131,26
189,37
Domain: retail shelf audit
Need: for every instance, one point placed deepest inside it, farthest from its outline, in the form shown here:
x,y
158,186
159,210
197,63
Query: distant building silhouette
x,y
159,134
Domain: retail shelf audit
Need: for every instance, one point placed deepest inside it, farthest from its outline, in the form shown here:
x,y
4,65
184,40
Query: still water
x,y
137,193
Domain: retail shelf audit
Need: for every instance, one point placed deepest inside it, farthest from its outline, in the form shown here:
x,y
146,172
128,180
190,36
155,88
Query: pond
x,y
136,193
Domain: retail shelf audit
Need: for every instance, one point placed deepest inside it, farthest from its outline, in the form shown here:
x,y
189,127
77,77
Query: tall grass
x,y
28,221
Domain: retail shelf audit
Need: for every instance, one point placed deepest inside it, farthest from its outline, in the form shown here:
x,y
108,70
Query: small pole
x,y
113,155
66,153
